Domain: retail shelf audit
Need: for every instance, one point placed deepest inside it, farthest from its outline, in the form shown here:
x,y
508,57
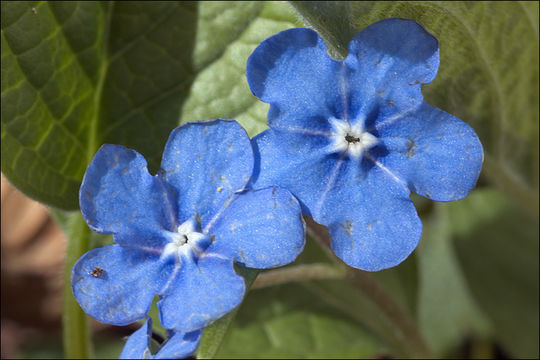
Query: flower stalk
x,y
75,327
303,272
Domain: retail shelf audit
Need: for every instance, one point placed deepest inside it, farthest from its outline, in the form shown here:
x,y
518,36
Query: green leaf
x,y
289,322
80,74
497,246
447,311
76,75
488,75
220,87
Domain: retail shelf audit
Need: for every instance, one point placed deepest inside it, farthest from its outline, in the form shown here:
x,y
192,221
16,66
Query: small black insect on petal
x,y
97,272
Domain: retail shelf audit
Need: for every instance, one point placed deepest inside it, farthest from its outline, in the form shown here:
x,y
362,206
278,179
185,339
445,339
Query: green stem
x,y
76,331
214,334
301,272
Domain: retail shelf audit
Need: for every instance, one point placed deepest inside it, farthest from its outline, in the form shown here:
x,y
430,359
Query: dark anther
x,y
97,272
185,238
351,139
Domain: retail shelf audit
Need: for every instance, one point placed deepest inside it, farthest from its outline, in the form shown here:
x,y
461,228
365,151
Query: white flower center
x,y
351,139
186,241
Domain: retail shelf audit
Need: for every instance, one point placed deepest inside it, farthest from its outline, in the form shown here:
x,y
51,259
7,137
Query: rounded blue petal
x,y
260,229
138,344
296,162
293,73
180,345
119,196
437,154
372,222
202,291
206,162
116,285
387,63
411,49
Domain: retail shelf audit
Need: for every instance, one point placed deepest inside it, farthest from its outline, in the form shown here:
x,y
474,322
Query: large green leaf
x,y
447,311
488,75
220,88
76,75
497,246
289,322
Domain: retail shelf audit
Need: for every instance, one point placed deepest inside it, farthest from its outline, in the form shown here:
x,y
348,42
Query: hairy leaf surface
x,y
76,75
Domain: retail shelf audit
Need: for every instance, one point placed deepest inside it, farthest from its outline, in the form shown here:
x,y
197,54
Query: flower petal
x,y
207,162
296,162
439,155
116,285
260,229
202,292
138,343
387,63
180,345
413,50
119,196
293,73
372,222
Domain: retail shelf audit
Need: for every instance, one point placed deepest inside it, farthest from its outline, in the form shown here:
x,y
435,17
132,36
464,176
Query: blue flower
x,y
351,139
178,233
178,345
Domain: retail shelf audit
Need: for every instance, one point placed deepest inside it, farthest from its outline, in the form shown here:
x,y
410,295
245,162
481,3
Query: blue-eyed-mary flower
x,y
351,139
178,233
